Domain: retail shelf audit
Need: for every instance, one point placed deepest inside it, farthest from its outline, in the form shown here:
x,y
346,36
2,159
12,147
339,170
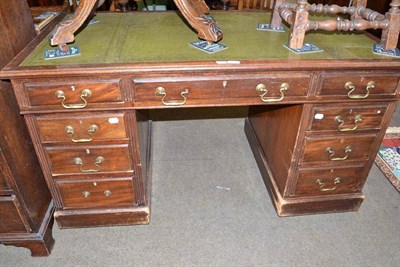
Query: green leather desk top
x,y
165,37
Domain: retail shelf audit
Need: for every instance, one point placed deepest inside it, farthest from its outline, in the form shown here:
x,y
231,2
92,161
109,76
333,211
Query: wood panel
x,y
277,137
15,222
25,214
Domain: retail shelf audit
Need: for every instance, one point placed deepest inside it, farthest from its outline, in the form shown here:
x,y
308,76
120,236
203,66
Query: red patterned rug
x,y
388,158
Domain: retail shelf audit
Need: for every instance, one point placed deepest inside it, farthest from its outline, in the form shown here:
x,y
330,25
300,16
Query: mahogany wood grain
x,y
222,88
76,128
116,159
96,193
316,149
279,133
325,119
286,206
317,182
333,84
16,222
26,205
102,217
277,137
39,244
17,29
4,187
345,203
102,91
143,143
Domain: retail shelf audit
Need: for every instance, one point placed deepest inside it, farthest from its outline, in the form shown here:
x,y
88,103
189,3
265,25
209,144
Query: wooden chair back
x,y
255,4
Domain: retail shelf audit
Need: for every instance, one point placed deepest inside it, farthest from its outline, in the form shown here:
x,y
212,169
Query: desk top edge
x,y
14,69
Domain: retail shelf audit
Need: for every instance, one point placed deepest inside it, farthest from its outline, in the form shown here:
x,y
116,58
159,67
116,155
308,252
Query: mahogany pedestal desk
x,y
315,121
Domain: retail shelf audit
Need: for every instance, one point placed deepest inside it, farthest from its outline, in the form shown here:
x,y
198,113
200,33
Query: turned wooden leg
x,y
276,20
390,36
299,25
358,3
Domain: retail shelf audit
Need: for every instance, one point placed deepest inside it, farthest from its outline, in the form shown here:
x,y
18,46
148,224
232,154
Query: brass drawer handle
x,y
161,91
347,151
107,193
99,160
349,86
322,188
86,93
282,88
92,129
340,120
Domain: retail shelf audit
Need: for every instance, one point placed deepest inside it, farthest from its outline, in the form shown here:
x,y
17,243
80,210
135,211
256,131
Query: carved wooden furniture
x,y
315,121
26,207
255,4
194,11
362,18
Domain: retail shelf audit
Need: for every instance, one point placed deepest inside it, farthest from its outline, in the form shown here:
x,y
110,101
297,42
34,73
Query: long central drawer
x,y
193,90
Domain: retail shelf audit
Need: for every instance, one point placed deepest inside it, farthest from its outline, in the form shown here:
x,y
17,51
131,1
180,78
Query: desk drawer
x,y
99,193
70,94
317,182
11,219
338,150
347,118
217,89
81,127
359,86
89,160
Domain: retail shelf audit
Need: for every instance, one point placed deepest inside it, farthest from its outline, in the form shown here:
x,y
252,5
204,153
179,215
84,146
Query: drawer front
x,y
81,127
317,182
89,160
218,88
338,150
347,119
73,94
96,193
359,86
11,219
